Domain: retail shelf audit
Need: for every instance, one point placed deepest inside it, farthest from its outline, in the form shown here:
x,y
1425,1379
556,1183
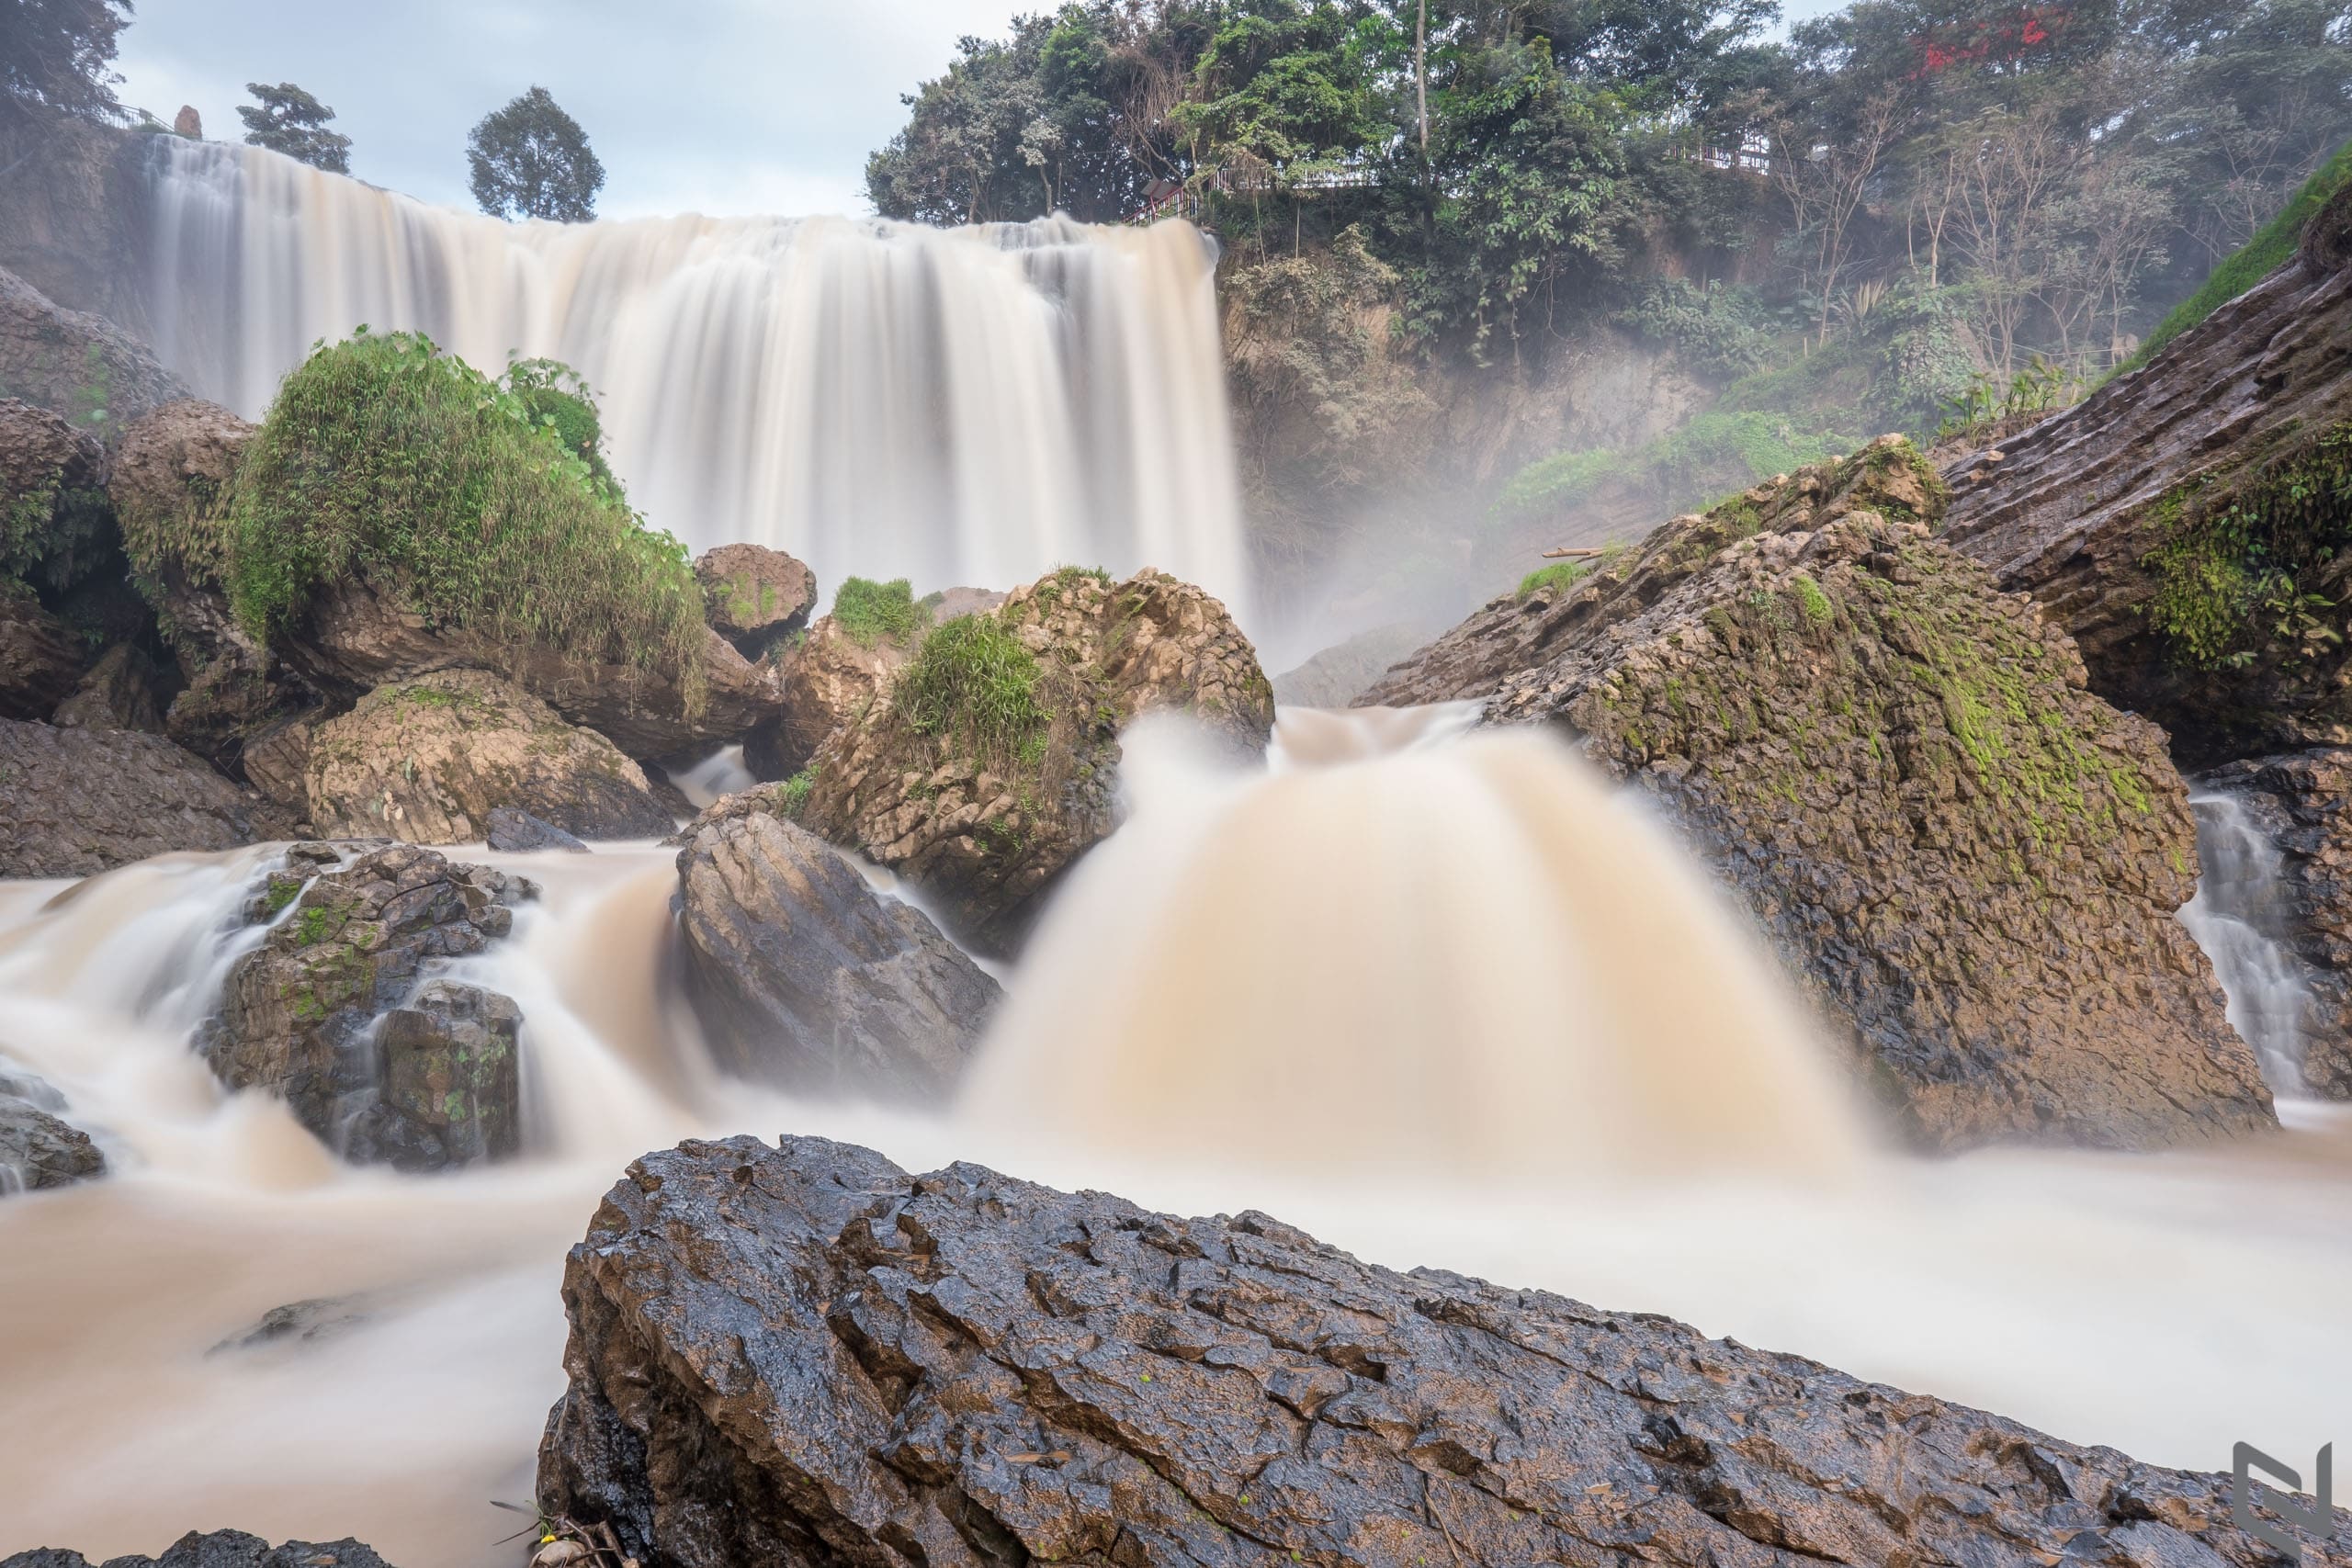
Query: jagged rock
x,y
427,760
70,362
754,597
985,821
39,663
53,522
805,977
304,1322
2117,515
828,680
949,603
119,692
81,801
519,832
38,1148
2300,804
223,1549
803,1355
438,1084
276,759
188,123
1973,863
1336,677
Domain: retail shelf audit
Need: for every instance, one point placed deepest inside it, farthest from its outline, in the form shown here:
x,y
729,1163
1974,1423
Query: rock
x,y
1973,863
40,1149
1337,676
805,977
2299,802
304,1322
277,761
428,759
754,597
438,1085
188,123
519,832
119,692
984,819
2117,515
52,507
950,602
72,362
226,703
802,1354
39,663
828,680
81,801
223,1549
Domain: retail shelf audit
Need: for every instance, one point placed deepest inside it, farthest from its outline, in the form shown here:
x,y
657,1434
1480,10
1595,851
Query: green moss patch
x,y
872,613
976,686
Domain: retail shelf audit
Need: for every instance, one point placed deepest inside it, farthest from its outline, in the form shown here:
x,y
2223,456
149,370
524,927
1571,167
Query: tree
x,y
57,55
292,121
532,160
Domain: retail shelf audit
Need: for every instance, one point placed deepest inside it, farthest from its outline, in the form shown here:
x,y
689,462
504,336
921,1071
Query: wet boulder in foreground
x,y
38,1148
340,1014
220,1548
1973,863
802,1354
805,977
993,766
81,801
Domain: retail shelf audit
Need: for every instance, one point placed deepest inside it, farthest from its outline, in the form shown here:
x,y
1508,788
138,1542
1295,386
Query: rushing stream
x,y
1438,1001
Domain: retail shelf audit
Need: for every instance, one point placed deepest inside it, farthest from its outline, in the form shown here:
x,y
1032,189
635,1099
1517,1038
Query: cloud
x,y
724,107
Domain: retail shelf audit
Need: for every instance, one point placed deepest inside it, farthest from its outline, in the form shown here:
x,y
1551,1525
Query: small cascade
x,y
2240,918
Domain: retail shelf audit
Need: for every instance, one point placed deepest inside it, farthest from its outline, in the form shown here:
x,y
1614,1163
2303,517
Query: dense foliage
x,y
285,118
386,459
59,55
532,160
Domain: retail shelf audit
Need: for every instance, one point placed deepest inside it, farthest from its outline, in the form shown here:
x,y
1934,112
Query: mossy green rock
x,y
1973,863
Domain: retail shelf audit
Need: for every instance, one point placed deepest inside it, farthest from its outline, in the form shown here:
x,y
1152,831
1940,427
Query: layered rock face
x,y
72,362
1336,677
117,693
754,597
221,1548
803,1355
805,977
828,680
1973,863
82,801
39,663
2186,521
427,761
438,1084
1001,772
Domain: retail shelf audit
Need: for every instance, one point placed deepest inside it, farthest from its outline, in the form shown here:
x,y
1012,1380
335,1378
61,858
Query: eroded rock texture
x,y
38,1148
429,759
81,801
1336,677
39,663
69,361
829,679
117,693
754,597
221,1548
803,1355
984,823
805,977
2129,517
435,1083
1974,863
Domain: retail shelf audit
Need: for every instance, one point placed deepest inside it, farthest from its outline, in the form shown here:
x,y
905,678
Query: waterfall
x,y
2239,917
972,406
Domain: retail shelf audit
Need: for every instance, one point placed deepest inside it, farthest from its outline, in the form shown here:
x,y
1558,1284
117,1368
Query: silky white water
x,y
2169,1305
2238,918
973,406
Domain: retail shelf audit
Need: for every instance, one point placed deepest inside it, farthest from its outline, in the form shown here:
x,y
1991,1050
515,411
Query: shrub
x,y
554,395
385,457
975,686
874,612
1724,329
1561,575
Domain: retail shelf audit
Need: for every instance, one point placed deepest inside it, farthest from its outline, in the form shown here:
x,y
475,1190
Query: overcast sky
x,y
722,107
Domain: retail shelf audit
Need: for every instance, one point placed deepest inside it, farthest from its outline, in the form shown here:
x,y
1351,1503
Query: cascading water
x,y
2239,919
972,406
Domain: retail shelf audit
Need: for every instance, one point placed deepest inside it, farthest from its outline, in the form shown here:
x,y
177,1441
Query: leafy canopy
x,y
285,119
58,55
532,160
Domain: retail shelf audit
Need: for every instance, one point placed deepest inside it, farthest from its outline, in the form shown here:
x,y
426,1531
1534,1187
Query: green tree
x,y
57,55
287,120
532,160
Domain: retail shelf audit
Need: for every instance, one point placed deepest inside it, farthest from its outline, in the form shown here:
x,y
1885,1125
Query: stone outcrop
x,y
73,222
519,832
1972,861
38,1148
73,363
428,759
805,1355
1336,677
827,681
983,818
439,1083
807,978
754,597
2187,521
221,1548
82,801
118,692
40,664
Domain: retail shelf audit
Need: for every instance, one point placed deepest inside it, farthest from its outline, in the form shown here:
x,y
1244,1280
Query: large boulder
x,y
754,597
38,1148
82,801
117,693
2187,523
1974,863
427,760
220,1548
992,766
53,504
41,663
806,978
437,1082
827,681
72,362
802,1354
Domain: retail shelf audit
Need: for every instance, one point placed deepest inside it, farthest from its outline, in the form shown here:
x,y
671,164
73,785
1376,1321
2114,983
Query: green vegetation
x,y
1560,576
792,795
555,395
285,118
532,160
1812,601
974,685
386,458
872,613
1713,453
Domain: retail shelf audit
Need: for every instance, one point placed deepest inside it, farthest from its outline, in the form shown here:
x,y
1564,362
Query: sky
x,y
719,106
